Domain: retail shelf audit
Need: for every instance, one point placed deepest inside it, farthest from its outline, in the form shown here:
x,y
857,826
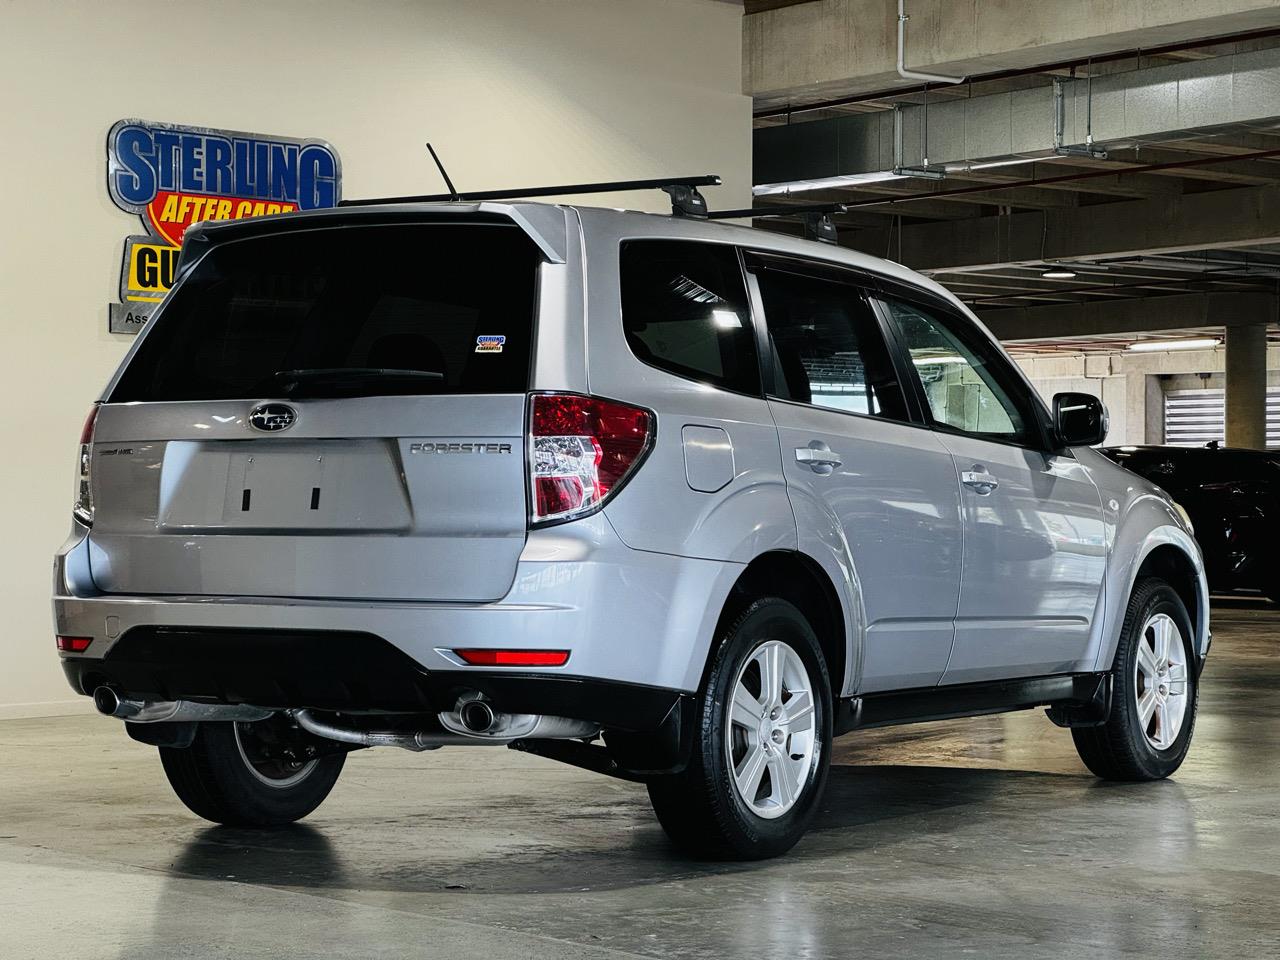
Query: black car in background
x,y
1233,498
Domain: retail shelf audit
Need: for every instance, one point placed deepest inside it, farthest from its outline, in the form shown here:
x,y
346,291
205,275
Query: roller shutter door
x,y
1194,417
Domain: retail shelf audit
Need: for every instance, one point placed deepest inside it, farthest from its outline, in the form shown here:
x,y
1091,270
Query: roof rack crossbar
x,y
793,210
685,198
816,217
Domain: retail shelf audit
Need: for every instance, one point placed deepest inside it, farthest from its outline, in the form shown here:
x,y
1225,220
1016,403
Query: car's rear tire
x,y
229,776
1154,691
762,744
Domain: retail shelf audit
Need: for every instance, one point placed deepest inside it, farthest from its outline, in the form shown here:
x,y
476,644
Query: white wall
x,y
511,92
1103,376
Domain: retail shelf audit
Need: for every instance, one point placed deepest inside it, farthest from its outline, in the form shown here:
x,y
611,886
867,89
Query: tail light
x,y
582,450
83,509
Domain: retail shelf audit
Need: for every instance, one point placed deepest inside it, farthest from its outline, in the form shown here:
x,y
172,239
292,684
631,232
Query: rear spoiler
x,y
546,225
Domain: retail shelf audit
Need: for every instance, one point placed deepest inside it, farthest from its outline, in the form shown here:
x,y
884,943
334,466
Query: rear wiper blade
x,y
352,375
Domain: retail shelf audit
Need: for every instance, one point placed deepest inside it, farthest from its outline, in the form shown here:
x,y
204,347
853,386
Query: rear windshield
x,y
346,311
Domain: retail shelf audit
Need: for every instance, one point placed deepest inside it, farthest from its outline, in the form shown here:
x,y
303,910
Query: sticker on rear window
x,y
490,344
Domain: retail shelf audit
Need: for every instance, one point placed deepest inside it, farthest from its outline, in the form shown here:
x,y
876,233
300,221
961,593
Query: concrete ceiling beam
x,y
1223,218
815,51
1133,315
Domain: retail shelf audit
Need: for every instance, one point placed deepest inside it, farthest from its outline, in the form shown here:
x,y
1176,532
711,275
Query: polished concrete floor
x,y
981,837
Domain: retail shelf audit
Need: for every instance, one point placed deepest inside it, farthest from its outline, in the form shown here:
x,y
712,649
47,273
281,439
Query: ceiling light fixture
x,y
969,165
1058,273
843,180
1192,343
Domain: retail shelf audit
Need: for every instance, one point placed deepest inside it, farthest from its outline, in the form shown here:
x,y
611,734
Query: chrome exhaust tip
x,y
108,703
477,716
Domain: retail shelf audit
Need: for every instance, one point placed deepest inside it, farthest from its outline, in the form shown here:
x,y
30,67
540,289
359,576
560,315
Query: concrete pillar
x,y
1246,363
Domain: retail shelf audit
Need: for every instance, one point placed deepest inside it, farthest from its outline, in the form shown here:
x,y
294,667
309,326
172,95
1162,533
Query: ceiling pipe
x,y
876,95
902,54
1048,293
1065,178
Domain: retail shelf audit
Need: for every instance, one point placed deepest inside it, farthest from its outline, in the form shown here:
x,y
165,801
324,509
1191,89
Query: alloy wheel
x,y
772,737
1161,680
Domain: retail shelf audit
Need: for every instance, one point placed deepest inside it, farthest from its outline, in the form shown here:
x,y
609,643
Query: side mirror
x,y
1079,419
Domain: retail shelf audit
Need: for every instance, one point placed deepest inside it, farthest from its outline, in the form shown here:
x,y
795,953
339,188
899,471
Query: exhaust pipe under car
x,y
475,716
472,722
111,704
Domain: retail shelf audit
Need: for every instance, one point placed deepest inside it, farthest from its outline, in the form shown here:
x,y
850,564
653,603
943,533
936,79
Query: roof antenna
x,y
453,192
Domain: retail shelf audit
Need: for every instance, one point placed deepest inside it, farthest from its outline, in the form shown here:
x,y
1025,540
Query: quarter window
x,y
684,309
965,381
827,347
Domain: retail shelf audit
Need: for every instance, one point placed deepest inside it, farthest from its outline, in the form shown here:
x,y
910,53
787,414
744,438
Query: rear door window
x,y
828,350
350,311
684,310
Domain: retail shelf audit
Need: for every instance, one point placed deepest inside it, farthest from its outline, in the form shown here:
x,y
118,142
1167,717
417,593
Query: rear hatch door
x,y
326,413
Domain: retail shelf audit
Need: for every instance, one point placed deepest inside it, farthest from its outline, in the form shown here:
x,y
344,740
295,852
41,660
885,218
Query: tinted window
x,y
1157,465
452,299
967,384
684,309
827,346
1248,466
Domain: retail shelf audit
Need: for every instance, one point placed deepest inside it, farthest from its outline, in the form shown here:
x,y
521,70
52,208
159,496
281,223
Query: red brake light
x,y
74,644
582,450
83,508
86,432
514,658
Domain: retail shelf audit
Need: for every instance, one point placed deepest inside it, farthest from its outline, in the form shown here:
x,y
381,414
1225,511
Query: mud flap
x,y
1089,706
177,736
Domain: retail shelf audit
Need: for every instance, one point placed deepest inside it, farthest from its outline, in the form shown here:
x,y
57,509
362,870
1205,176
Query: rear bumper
x,y
638,627
345,672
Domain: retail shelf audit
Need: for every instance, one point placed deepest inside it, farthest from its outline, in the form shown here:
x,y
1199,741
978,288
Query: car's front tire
x,y
1154,691
763,741
232,775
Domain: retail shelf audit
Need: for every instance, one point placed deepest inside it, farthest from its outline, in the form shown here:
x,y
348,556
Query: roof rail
x,y
818,224
686,201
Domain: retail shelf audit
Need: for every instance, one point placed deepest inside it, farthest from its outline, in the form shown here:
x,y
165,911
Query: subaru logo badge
x,y
272,417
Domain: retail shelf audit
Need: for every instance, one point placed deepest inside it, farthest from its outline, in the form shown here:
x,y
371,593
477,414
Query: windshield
x,y
346,311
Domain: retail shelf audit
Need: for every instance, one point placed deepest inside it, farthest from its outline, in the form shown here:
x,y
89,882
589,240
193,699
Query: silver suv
x,y
664,498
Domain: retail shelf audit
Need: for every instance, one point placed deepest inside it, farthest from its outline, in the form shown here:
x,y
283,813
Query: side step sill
x,y
1080,699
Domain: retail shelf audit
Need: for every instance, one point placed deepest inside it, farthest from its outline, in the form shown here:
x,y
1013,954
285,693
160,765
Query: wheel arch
x,y
801,580
1169,552
1173,566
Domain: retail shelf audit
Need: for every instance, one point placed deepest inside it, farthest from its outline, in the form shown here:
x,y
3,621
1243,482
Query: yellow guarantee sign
x,y
149,268
174,176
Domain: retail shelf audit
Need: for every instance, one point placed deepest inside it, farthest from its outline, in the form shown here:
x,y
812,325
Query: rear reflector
x,y
514,658
74,644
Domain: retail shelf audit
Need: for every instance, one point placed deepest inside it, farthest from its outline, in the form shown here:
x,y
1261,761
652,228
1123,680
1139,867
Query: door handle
x,y
978,480
820,458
